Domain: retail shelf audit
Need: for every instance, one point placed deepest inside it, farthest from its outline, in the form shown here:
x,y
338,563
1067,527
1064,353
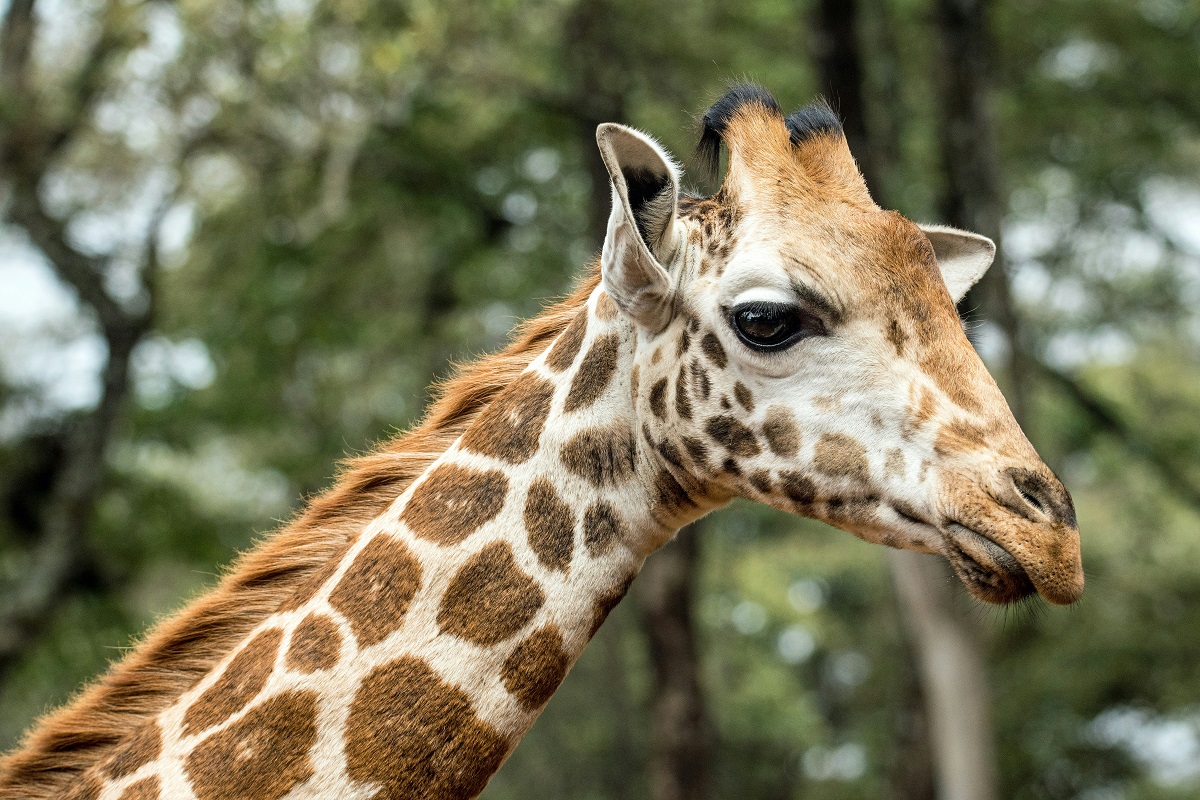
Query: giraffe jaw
x,y
988,571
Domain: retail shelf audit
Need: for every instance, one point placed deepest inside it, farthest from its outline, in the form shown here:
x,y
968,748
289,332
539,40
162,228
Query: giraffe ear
x,y
642,230
962,256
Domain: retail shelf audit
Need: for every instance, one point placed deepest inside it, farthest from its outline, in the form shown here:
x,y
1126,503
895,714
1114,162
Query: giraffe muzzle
x,y
1017,537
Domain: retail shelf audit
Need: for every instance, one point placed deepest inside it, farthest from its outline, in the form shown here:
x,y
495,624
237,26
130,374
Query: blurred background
x,y
239,239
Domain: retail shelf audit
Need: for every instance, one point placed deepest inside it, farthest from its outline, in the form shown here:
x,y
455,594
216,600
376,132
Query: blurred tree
x,y
43,126
682,733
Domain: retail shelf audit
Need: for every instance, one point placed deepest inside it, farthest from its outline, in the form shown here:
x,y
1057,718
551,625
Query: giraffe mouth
x,y
987,570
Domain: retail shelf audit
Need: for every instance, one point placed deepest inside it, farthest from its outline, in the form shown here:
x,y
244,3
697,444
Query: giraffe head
x,y
799,346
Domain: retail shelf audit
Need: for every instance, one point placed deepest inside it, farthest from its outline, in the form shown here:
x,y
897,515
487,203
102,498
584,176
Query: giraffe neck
x,y
421,654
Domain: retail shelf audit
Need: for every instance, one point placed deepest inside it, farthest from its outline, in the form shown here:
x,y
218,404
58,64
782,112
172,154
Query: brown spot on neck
x,y
672,502
511,426
454,502
603,456
316,643
418,737
536,667
683,343
658,401
376,590
145,789
607,602
697,452
670,453
263,755
241,681
550,526
566,346
606,310
595,373
602,528
683,404
490,598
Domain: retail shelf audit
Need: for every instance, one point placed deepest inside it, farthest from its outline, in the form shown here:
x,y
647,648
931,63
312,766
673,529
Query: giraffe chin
x,y
988,571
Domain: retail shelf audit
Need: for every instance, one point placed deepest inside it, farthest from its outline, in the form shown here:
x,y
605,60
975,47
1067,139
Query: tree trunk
x,y
910,773
838,52
974,196
953,679
681,733
950,701
627,760
60,559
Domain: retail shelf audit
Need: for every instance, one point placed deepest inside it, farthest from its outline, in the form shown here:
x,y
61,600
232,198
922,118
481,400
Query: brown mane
x,y
183,648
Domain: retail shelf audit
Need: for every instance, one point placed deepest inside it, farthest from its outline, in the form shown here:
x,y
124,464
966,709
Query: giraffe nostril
x,y
1033,501
1038,498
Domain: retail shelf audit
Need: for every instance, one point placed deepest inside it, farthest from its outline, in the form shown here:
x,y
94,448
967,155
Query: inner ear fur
x,y
642,233
963,257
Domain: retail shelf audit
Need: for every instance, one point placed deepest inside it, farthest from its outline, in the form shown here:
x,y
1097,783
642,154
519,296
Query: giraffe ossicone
x,y
784,340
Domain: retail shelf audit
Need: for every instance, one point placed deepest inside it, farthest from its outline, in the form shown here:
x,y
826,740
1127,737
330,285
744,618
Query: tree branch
x,y
59,558
1108,418
83,273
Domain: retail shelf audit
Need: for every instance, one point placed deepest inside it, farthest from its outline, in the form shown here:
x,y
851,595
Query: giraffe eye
x,y
774,326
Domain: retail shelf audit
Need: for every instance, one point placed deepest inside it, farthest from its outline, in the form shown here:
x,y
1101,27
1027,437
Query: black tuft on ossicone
x,y
717,118
813,120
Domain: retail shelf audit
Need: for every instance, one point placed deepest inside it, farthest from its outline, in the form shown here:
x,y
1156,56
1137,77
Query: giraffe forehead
x,y
868,264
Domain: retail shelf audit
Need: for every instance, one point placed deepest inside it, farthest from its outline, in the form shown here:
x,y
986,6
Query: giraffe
x,y
784,340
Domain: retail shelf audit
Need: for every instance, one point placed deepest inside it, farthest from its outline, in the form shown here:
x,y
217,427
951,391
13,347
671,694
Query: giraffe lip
x,y
990,573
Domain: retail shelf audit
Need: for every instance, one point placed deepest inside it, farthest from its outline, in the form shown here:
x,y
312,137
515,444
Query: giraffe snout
x,y
1044,536
1014,534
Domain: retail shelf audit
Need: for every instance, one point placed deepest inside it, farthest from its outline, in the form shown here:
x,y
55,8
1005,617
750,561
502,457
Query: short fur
x,y
185,647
